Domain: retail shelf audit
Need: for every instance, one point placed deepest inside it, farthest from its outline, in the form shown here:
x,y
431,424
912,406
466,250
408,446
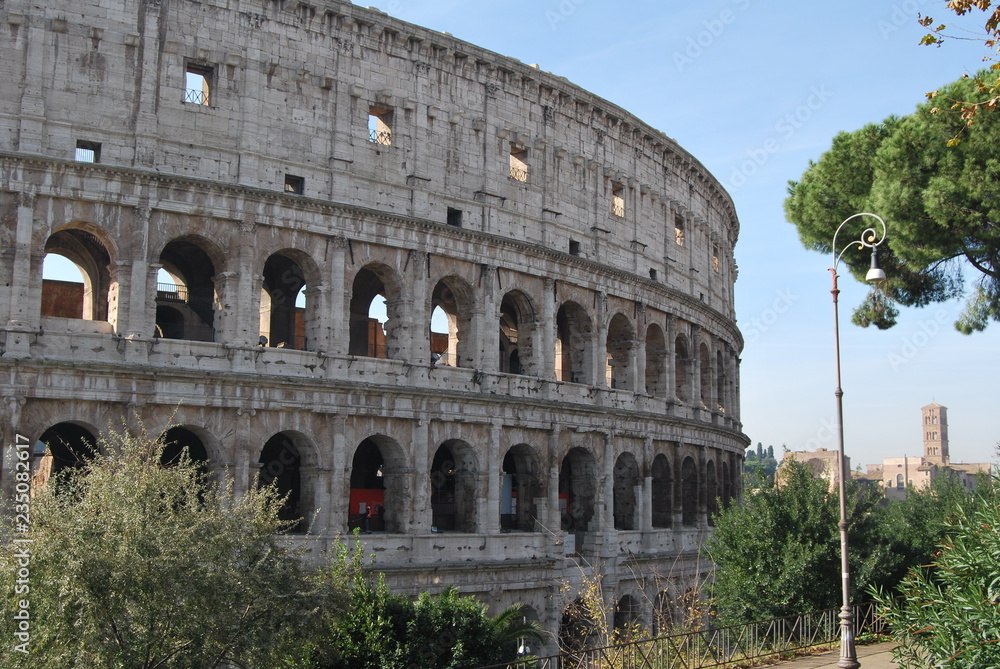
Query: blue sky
x,y
755,89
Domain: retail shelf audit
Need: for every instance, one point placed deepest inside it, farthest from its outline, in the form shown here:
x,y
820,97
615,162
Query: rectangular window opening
x,y
198,84
380,126
518,164
88,152
294,184
715,257
652,274
679,231
455,217
574,247
618,200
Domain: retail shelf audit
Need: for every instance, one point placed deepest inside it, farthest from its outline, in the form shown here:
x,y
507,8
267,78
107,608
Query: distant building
x,y
895,475
822,462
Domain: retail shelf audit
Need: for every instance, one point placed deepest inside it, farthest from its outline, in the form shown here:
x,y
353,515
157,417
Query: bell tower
x,y
935,427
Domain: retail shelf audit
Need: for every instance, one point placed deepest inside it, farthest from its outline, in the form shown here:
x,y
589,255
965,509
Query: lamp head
x,y
876,274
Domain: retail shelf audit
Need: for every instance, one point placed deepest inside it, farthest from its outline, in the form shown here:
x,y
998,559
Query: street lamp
x,y
870,238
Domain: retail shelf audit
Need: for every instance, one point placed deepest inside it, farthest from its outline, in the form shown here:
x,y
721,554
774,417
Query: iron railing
x,y
714,647
383,137
195,96
171,292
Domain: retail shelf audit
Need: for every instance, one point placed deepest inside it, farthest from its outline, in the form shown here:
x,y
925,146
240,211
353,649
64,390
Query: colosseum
x,y
434,293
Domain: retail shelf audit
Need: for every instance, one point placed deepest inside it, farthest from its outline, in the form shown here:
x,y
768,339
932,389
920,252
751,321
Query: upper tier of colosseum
x,y
336,104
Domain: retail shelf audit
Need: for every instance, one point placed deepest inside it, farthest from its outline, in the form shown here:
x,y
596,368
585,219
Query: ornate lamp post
x,y
870,238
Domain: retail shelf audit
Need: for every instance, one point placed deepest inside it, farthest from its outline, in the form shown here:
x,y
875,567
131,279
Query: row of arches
x,y
600,345
381,486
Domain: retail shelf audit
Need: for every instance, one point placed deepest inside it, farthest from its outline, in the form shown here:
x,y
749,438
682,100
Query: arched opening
x,y
190,297
281,466
376,313
628,620
706,376
689,492
656,362
180,441
76,279
378,499
284,308
627,482
620,348
681,362
574,341
528,647
520,487
577,490
62,446
451,323
662,492
453,488
517,330
578,631
712,491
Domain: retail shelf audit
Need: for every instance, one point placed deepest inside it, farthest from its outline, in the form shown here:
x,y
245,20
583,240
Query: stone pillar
x,y
695,367
599,366
638,361
24,316
604,502
420,521
338,479
414,343
703,486
545,346
670,375
646,522
677,459
245,458
338,316
554,518
490,521
487,318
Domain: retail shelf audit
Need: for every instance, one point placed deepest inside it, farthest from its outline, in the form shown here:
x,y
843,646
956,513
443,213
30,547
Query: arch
x,y
517,335
520,487
378,483
578,630
287,314
620,353
662,492
689,492
574,344
682,385
705,367
712,491
188,260
577,489
180,440
63,446
369,337
455,348
627,624
656,361
86,247
626,480
453,487
283,461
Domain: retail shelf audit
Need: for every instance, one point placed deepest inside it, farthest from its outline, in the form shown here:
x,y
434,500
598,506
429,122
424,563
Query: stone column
x,y
24,316
646,522
338,314
670,374
420,521
338,478
695,367
545,346
487,319
638,361
554,518
414,345
599,366
490,521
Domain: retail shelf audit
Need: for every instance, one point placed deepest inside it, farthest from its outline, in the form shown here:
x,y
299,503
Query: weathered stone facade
x,y
586,395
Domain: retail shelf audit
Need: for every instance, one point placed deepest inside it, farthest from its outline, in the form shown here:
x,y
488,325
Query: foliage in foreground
x,y
778,552
382,630
947,613
134,564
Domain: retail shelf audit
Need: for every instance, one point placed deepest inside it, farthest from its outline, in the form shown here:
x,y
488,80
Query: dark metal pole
x,y
848,654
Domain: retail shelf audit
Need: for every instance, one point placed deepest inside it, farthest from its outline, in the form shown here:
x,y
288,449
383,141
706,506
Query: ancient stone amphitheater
x,y
433,292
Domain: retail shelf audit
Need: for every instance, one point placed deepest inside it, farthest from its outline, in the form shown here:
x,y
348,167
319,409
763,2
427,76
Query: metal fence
x,y
738,645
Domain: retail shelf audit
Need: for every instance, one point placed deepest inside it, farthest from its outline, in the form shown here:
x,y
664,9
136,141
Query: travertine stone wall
x,y
583,260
